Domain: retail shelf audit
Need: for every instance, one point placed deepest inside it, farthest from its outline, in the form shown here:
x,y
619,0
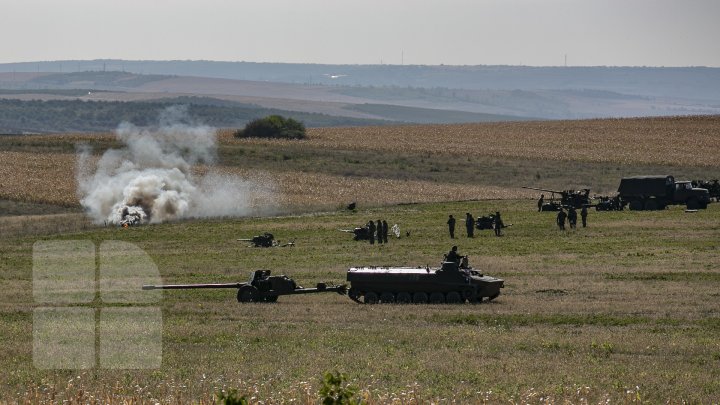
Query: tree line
x,y
53,116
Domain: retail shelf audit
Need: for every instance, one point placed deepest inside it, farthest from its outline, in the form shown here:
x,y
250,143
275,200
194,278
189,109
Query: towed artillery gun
x,y
359,233
262,287
265,240
488,222
568,198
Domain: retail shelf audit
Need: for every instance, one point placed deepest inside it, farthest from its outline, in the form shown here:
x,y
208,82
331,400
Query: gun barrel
x,y
340,289
543,189
191,286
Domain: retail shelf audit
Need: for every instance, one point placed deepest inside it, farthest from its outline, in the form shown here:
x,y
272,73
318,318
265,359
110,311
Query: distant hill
x,y
361,94
687,82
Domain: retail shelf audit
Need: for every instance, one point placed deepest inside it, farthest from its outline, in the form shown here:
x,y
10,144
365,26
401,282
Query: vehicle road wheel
x,y
636,205
271,298
692,204
468,295
403,298
651,205
247,293
420,298
387,298
437,298
453,297
494,296
370,298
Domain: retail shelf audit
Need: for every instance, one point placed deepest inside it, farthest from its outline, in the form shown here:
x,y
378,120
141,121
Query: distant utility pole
x,y
402,57
565,60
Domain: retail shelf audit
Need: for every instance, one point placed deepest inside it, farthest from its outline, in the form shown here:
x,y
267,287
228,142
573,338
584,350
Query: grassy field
x,y
625,310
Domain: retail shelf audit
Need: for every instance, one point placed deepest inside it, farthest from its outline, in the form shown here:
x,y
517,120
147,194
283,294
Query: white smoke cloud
x,y
150,178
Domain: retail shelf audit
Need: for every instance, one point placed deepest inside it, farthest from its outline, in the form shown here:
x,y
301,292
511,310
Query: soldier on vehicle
x,y
379,232
371,231
561,219
572,217
451,226
385,231
453,255
498,224
470,225
583,216
541,201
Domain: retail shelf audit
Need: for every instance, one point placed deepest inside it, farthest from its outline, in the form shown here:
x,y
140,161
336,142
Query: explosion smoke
x,y
150,179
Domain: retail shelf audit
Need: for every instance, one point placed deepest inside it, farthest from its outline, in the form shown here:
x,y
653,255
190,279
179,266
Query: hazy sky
x,y
457,32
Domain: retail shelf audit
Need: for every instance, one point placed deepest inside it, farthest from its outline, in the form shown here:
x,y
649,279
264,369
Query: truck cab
x,y
693,197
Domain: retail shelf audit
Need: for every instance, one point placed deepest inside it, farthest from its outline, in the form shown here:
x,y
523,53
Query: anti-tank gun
x,y
488,222
262,287
568,198
359,233
265,240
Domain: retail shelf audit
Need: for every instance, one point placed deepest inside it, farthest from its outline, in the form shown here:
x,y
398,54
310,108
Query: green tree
x,y
273,126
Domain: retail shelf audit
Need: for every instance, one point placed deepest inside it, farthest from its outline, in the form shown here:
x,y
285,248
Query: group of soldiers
x,y
377,231
497,225
571,217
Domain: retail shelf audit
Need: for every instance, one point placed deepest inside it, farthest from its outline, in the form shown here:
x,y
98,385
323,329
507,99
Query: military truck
x,y
657,192
452,283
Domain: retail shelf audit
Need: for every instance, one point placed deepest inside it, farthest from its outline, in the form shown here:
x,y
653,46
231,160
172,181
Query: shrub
x,y
334,390
273,126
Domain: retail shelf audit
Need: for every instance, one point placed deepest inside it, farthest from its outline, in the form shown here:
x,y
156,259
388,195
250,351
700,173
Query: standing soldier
x,y
583,216
371,231
572,217
469,225
379,232
451,226
561,219
541,201
498,224
384,230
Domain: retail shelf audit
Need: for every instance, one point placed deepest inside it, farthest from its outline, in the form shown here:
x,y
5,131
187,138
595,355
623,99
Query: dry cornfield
x,y
49,177
693,141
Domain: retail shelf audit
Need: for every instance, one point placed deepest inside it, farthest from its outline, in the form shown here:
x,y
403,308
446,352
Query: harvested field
x,y
693,141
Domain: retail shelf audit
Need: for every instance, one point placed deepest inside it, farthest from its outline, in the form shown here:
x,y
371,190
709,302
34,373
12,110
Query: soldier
x,y
572,217
561,219
583,215
371,231
384,230
469,225
453,255
451,226
497,224
541,201
379,232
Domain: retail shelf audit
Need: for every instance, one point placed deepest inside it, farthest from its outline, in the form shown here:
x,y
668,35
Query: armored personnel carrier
x,y
452,283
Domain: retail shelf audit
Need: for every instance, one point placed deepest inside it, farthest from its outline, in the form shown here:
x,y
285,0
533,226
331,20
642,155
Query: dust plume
x,y
150,179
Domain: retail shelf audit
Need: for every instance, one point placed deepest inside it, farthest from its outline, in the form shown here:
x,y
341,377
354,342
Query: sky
x,y
417,32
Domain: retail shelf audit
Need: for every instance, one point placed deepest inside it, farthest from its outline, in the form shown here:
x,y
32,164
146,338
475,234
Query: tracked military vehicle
x,y
452,283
